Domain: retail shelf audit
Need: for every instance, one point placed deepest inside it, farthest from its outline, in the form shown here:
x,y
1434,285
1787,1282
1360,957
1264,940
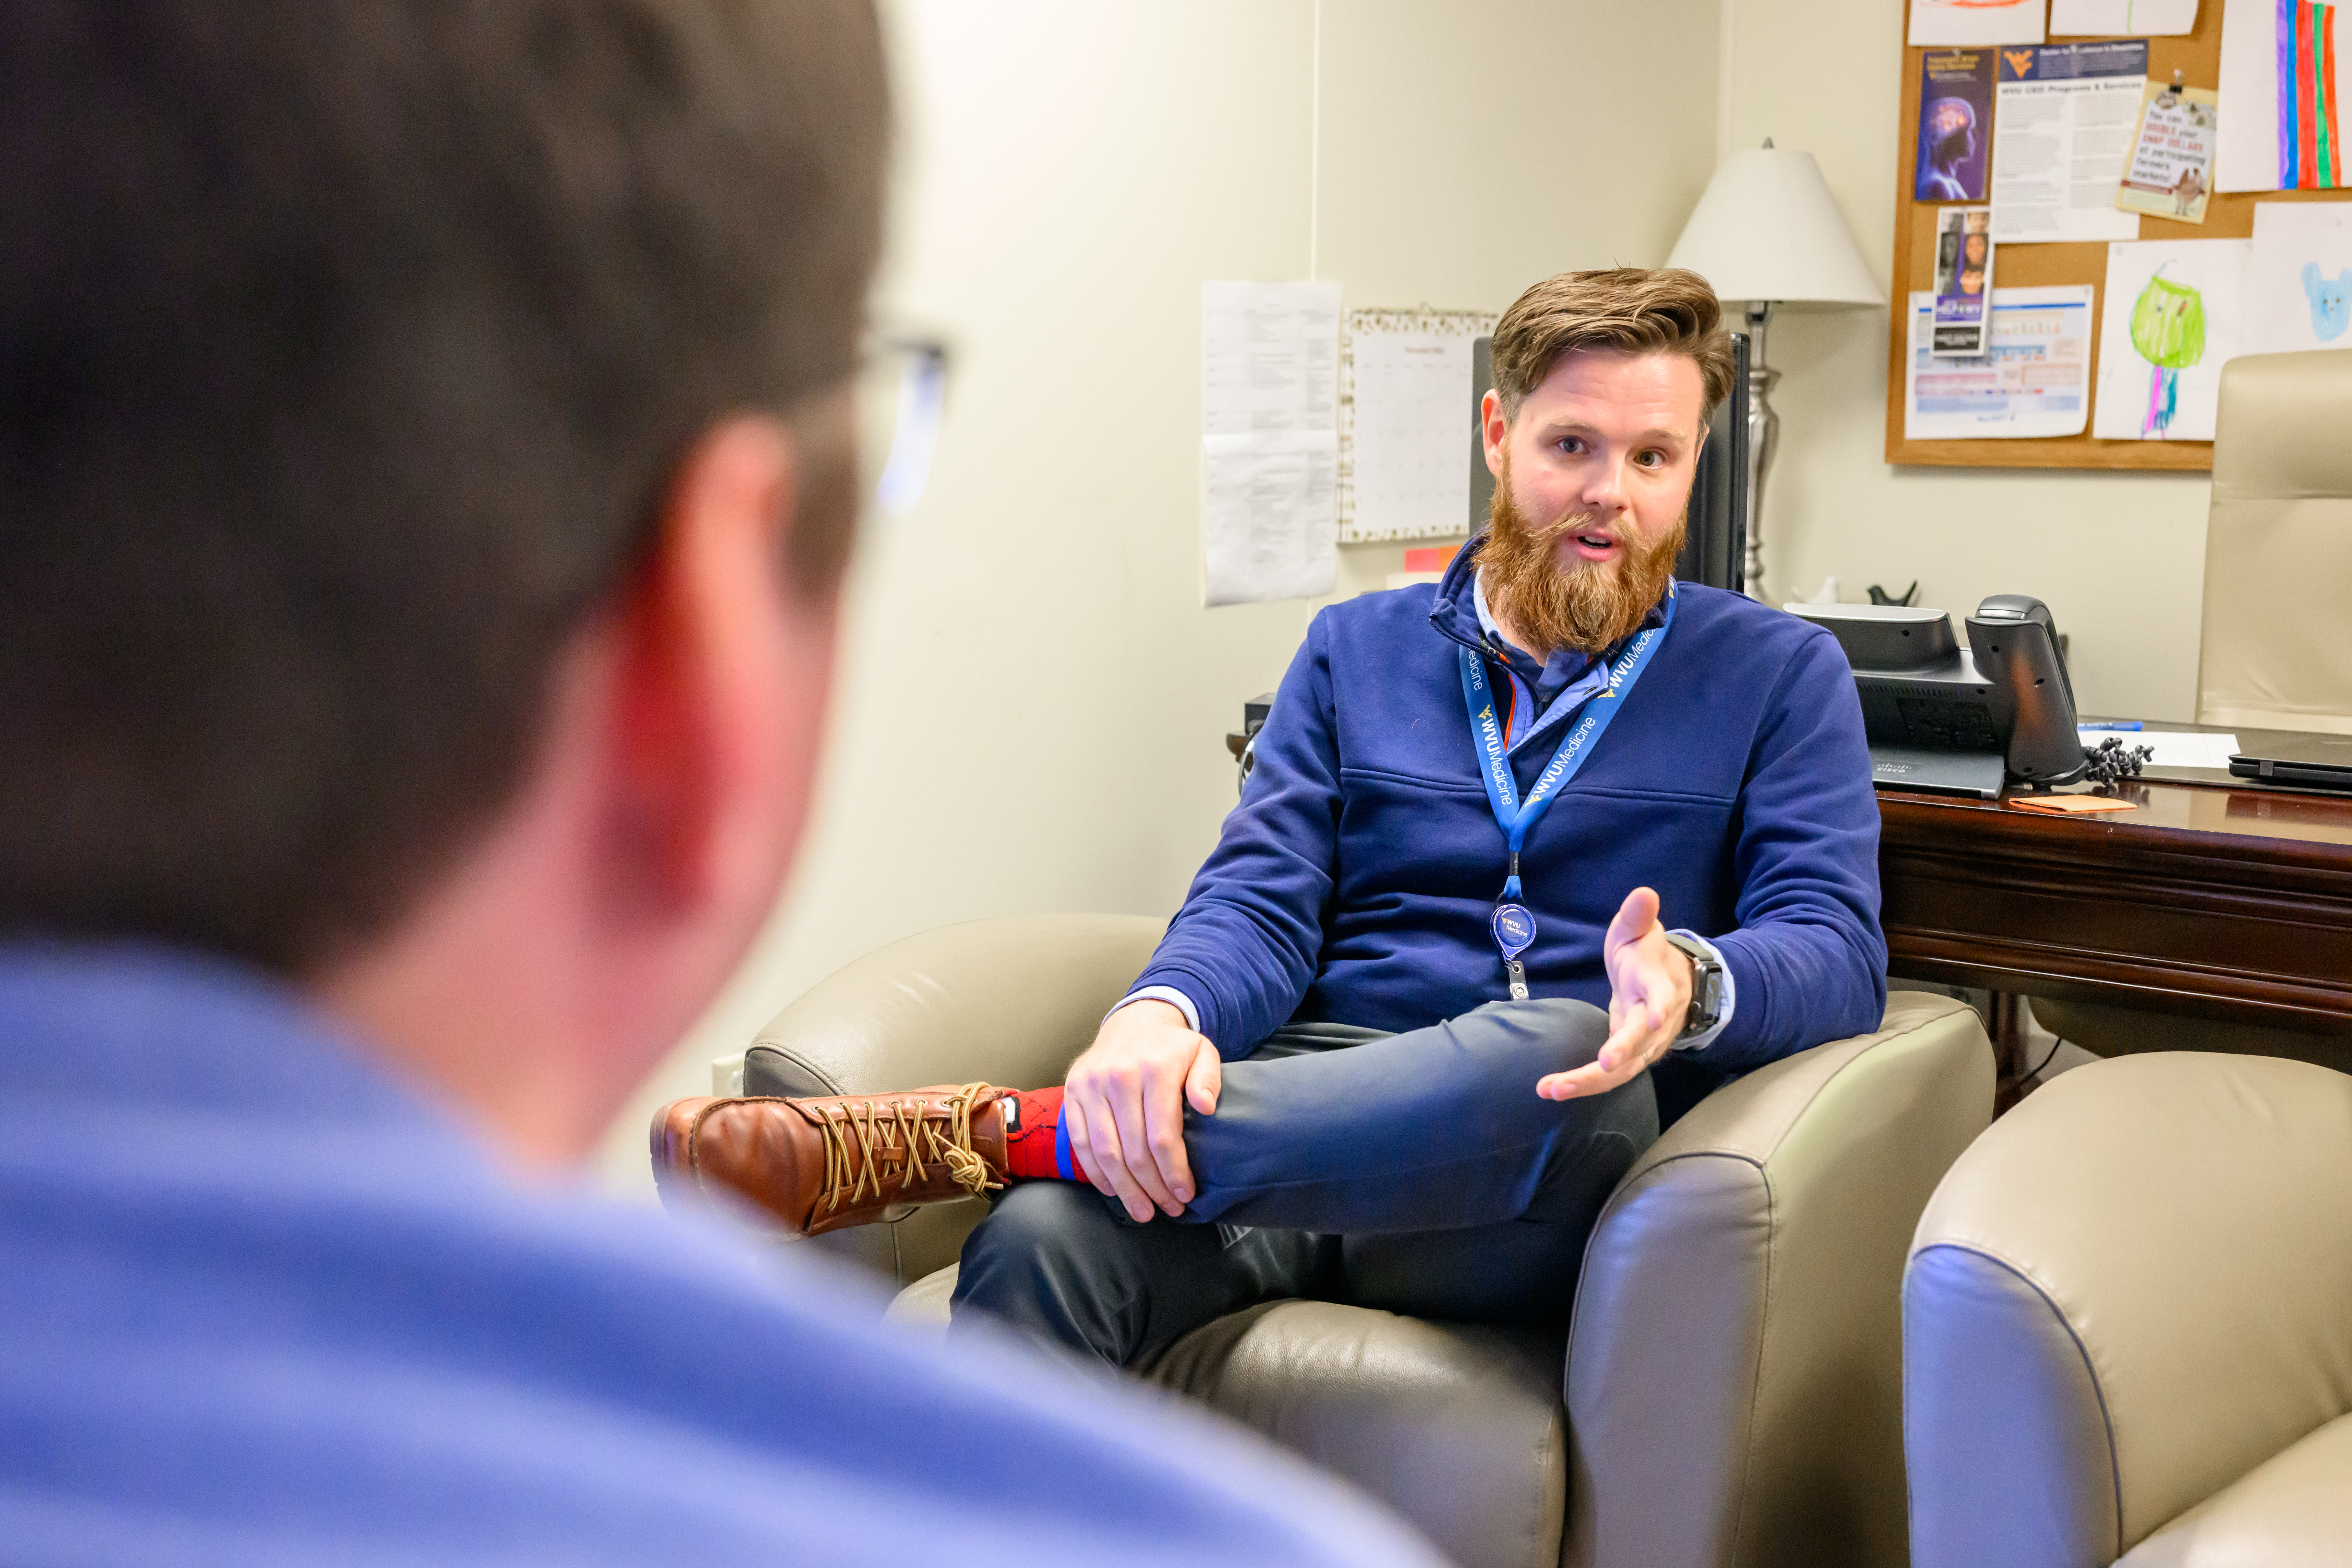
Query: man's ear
x,y
1494,429
707,641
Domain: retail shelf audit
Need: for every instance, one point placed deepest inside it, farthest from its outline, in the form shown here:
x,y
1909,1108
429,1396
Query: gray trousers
x,y
1418,1173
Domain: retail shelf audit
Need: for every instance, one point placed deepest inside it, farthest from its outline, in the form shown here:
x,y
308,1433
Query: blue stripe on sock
x,y
1063,1160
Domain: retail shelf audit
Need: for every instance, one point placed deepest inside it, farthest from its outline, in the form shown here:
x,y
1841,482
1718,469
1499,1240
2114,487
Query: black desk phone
x,y
1954,720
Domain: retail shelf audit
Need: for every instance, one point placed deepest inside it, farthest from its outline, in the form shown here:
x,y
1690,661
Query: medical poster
x,y
1936,23
2063,121
1963,279
2033,380
2175,313
1954,125
2171,171
2286,80
2163,18
2299,278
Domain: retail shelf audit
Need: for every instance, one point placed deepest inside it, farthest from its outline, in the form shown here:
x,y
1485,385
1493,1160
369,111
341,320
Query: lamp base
x,y
1763,436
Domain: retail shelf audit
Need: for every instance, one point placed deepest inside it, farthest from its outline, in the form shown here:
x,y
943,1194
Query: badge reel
x,y
1515,929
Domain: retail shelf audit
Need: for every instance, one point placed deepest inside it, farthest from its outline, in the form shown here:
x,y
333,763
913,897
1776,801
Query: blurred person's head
x,y
425,486
1603,383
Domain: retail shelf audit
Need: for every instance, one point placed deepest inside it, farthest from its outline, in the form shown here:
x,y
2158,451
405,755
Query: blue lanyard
x,y
1514,925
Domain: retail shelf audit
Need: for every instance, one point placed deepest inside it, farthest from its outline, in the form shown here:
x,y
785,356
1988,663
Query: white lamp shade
x,y
1767,228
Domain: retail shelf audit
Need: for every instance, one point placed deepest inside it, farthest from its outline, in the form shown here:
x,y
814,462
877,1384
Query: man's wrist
x,y
1710,993
1165,994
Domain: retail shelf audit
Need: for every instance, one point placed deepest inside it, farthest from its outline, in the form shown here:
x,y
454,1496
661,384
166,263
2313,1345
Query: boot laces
x,y
861,1134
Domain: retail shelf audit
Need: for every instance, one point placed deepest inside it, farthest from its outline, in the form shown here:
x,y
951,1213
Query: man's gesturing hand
x,y
1123,1102
1649,998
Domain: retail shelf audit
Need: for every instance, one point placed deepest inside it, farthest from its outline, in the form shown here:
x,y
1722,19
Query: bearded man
x,y
1369,1061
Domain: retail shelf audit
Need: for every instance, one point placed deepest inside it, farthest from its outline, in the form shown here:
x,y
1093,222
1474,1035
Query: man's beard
x,y
1586,605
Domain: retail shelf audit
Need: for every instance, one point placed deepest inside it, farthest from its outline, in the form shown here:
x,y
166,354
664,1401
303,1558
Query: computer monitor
x,y
1714,551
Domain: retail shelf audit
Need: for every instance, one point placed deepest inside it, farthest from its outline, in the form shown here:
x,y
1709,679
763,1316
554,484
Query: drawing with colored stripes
x,y
2286,77
2311,149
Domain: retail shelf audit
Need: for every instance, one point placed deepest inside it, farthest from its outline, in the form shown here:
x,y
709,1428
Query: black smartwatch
x,y
1707,987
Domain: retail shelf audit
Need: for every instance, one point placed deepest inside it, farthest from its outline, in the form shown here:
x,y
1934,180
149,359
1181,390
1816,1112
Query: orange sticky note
x,y
2071,805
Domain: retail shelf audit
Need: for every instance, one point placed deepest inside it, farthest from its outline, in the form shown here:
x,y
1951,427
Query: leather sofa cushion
x,y
2294,1510
1457,1427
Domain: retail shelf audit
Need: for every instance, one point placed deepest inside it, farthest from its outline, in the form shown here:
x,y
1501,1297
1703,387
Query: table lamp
x,y
1768,232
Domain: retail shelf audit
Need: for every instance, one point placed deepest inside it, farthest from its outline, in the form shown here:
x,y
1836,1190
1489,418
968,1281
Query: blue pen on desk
x,y
2114,724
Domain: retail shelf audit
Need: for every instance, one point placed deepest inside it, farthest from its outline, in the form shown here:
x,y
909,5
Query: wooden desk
x,y
2233,904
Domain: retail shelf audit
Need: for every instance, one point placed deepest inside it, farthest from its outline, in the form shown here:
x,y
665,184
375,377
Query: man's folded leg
x,y
1419,1172
1435,1129
1432,1130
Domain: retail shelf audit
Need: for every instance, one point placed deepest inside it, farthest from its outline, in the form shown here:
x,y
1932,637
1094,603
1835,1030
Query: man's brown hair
x,y
1631,310
346,351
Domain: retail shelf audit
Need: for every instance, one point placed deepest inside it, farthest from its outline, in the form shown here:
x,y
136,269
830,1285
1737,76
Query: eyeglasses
x,y
901,395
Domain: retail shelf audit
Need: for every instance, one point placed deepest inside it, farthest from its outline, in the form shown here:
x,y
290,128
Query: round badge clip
x,y
1515,929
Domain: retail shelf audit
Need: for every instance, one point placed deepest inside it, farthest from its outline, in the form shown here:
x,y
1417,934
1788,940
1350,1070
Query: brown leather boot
x,y
823,1164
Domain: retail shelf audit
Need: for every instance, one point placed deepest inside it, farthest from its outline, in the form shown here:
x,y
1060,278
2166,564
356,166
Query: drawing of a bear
x,y
2331,300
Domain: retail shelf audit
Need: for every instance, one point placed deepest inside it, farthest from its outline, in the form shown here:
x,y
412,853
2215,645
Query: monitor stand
x,y
1975,774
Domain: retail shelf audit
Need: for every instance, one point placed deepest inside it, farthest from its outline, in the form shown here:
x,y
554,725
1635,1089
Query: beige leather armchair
x,y
1728,1392
2128,1324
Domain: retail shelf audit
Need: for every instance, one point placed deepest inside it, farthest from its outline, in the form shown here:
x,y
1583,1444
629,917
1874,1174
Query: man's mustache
x,y
1573,522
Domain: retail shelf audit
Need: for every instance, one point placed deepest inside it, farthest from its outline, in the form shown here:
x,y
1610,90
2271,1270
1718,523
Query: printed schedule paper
x,y
1270,516
1269,440
1270,357
2064,118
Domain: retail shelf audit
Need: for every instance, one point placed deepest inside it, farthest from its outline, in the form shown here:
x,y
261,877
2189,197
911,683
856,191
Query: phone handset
x,y
2013,641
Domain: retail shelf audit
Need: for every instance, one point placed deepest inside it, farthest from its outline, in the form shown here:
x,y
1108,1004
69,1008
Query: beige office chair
x,y
1728,1392
2277,652
2127,1325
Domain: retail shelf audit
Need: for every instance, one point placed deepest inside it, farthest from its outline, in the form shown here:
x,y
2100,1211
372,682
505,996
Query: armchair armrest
x,y
1734,1368
2127,1297
1010,999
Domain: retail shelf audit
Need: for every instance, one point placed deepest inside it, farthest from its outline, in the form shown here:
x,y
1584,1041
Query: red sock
x,y
1029,1144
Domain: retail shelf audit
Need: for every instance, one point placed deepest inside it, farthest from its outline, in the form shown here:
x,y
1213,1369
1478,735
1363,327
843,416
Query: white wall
x,y
1033,704
2119,557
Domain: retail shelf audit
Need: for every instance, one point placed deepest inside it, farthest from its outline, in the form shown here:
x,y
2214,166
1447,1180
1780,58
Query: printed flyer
x,y
1954,125
2034,381
2064,118
1963,280
2171,170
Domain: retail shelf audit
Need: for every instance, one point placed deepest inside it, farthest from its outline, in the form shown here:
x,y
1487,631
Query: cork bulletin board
x,y
2228,216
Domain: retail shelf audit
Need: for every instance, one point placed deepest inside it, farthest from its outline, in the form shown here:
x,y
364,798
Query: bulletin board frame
x,y
2228,216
